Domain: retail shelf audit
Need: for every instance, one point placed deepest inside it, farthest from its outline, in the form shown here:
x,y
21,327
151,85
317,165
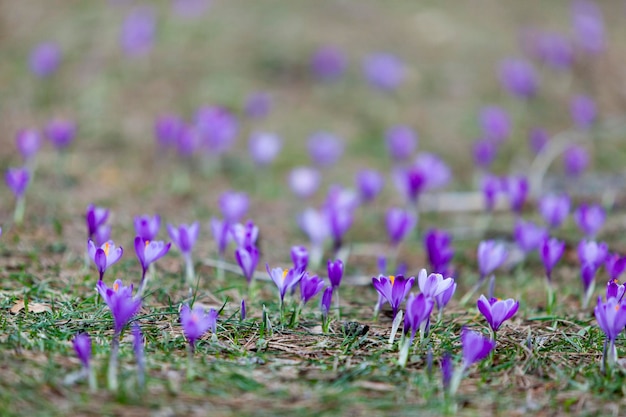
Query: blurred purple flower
x,y
418,309
327,297
60,132
184,236
611,318
196,322
615,290
529,236
575,160
484,152
370,183
447,370
102,234
491,255
339,209
537,139
497,311
517,191
244,235
138,32
383,71
401,142
399,224
495,123
247,258
258,105
490,186
187,141
217,128
591,256
233,205
427,173
583,111
394,289
551,251
300,258
328,63
121,302
555,50
475,347
264,147
149,251
554,209
310,286
335,272
221,233
17,179
147,227
438,249
589,219
325,148
588,25
95,217
315,225
82,347
44,59
518,77
167,129
615,265
28,142
304,181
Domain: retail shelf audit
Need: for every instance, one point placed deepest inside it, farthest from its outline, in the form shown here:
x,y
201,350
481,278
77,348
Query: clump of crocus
x,y
551,251
592,256
475,347
82,347
418,309
104,256
439,250
148,252
184,236
123,306
529,236
496,311
284,279
590,219
554,209
399,224
611,317
369,183
327,297
139,354
195,323
394,289
17,180
491,255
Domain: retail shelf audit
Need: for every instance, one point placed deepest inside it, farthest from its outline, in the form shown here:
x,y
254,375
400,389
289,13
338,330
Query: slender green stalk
x,y
18,214
112,374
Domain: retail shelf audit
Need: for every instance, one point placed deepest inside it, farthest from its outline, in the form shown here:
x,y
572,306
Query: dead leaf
x,y
32,307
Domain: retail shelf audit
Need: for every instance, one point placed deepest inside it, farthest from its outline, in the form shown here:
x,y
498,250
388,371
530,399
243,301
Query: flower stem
x,y
189,270
91,375
189,362
112,375
18,214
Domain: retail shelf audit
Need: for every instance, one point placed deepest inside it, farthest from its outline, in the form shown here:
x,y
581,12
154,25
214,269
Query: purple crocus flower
x,y
589,219
284,279
95,217
339,209
551,251
518,77
591,255
243,310
187,141
310,286
497,311
315,225
300,258
438,249
221,233
102,234
554,209
217,128
233,205
244,236
45,59
17,180
304,181
328,63
138,31
575,160
184,236
484,151
335,272
383,71
611,317
410,182
588,26
583,111
196,322
444,298
418,309
264,147
537,139
437,172
615,290
105,255
167,129
427,173
148,251
258,105
433,285
528,235
82,347
475,347
60,132
247,258
615,265
491,255
121,302
370,183
517,191
147,227
555,50
495,123
401,141
28,142
325,148
394,289
490,186
399,224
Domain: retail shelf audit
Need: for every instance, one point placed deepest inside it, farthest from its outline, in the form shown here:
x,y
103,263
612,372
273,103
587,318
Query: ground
x,y
543,364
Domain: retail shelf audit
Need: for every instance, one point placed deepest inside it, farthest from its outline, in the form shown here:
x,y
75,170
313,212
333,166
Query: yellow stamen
x,y
106,248
392,279
617,307
116,286
147,243
285,271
